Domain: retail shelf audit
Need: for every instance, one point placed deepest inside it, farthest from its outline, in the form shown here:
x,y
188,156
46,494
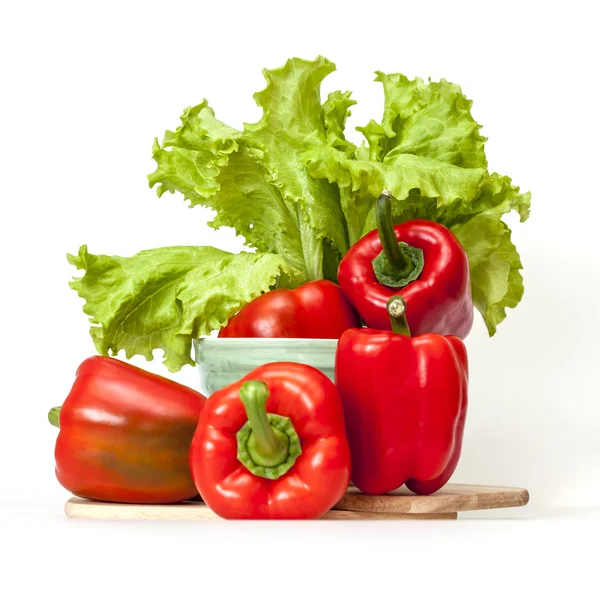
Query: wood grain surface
x,y
354,506
79,508
455,497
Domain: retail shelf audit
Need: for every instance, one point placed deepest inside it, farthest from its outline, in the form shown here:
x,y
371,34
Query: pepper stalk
x,y
398,263
396,307
268,444
54,416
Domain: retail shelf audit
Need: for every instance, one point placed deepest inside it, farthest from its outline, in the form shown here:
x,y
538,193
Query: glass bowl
x,y
222,361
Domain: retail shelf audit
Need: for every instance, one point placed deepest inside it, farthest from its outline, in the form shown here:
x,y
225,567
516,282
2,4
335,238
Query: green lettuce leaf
x,y
211,165
166,297
189,158
360,183
493,195
432,120
293,119
257,211
336,109
496,280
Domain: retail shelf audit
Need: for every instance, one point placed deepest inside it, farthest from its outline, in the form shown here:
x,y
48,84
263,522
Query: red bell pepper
x,y
405,401
125,434
317,309
421,259
272,446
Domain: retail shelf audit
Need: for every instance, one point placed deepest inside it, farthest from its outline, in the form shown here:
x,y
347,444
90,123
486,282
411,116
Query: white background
x,y
85,88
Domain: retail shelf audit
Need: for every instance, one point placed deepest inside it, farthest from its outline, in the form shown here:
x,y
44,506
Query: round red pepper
x,y
317,309
125,434
405,401
272,446
429,265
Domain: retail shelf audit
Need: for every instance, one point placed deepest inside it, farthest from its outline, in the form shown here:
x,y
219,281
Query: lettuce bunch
x,y
301,194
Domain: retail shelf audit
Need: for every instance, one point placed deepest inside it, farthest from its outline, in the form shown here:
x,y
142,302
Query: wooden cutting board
x,y
400,504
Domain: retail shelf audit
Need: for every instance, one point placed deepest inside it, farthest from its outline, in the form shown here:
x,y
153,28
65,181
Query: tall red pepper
x,y
272,446
125,434
423,261
405,402
317,309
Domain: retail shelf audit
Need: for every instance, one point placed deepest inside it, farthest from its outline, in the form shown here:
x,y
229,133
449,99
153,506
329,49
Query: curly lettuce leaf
x,y
499,196
164,298
493,195
210,164
446,183
201,130
294,119
189,158
257,211
431,119
495,266
336,109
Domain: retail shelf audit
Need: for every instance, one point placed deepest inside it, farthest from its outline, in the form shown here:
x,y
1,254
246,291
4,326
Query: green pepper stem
x,y
54,416
398,264
268,447
396,307
385,227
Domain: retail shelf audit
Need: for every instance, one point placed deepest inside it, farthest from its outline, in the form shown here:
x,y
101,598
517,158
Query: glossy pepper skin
x,y
315,480
438,301
405,401
317,309
125,434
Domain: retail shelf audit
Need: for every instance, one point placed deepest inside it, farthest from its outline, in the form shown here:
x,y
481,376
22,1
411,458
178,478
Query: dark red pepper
x,y
423,261
125,434
317,309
